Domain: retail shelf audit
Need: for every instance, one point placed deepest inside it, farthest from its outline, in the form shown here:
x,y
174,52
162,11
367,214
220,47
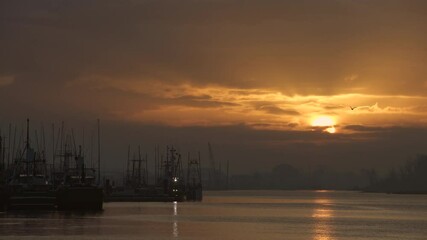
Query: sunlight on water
x,y
322,216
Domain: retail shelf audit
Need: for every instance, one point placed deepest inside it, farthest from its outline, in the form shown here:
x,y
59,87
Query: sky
x,y
333,82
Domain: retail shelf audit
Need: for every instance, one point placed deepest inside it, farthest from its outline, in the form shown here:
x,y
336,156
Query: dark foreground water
x,y
236,215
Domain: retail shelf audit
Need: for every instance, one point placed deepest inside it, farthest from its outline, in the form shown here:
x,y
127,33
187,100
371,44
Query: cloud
x,y
201,101
351,78
361,128
263,45
271,109
248,74
194,97
245,145
6,80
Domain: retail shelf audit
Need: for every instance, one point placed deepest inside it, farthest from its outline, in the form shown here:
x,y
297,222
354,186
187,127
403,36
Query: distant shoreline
x,y
324,190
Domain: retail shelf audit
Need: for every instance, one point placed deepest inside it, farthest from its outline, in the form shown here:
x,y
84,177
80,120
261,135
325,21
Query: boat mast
x,y
61,145
200,170
53,151
1,152
139,166
228,171
13,147
146,169
27,147
28,133
99,153
155,165
127,169
8,148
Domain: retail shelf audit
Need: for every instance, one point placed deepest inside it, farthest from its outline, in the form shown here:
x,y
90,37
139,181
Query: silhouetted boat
x,y
77,188
170,185
3,195
30,192
194,190
29,185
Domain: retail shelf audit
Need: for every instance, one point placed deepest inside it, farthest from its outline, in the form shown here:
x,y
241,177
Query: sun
x,y
324,121
330,129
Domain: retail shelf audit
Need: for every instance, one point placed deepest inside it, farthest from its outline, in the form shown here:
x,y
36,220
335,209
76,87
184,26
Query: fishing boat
x,y
79,190
29,185
77,187
169,185
193,188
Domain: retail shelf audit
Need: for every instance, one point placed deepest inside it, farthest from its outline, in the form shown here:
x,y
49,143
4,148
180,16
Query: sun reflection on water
x,y
322,216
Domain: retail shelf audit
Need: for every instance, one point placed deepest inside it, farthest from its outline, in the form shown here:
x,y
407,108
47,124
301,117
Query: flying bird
x,y
352,108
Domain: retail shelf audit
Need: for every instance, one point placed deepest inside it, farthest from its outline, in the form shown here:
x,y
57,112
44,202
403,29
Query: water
x,y
317,215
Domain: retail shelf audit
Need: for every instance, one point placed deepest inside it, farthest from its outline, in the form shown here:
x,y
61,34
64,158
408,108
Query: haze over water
x,y
320,215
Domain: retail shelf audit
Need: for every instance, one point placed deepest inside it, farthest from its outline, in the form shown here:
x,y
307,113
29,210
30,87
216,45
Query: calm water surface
x,y
321,215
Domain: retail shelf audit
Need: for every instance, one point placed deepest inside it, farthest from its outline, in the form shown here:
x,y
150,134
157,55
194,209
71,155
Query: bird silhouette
x,y
352,108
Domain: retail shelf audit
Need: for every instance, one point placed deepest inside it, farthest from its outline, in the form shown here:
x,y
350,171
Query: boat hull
x,y
31,200
80,198
194,194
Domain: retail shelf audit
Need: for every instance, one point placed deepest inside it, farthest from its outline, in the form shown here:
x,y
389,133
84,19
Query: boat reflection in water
x,y
175,232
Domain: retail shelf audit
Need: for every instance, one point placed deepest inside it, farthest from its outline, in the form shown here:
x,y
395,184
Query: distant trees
x,y
287,177
411,177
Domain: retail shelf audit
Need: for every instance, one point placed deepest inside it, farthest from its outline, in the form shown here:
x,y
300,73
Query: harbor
x,y
170,183
213,119
68,181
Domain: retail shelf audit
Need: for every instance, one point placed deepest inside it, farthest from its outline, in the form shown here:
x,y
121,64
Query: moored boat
x,y
78,189
29,186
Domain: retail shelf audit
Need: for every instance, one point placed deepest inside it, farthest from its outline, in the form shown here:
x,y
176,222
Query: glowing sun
x,y
324,121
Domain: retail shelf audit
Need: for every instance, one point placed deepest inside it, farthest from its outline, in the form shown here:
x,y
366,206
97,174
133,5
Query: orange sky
x,y
183,104
269,66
